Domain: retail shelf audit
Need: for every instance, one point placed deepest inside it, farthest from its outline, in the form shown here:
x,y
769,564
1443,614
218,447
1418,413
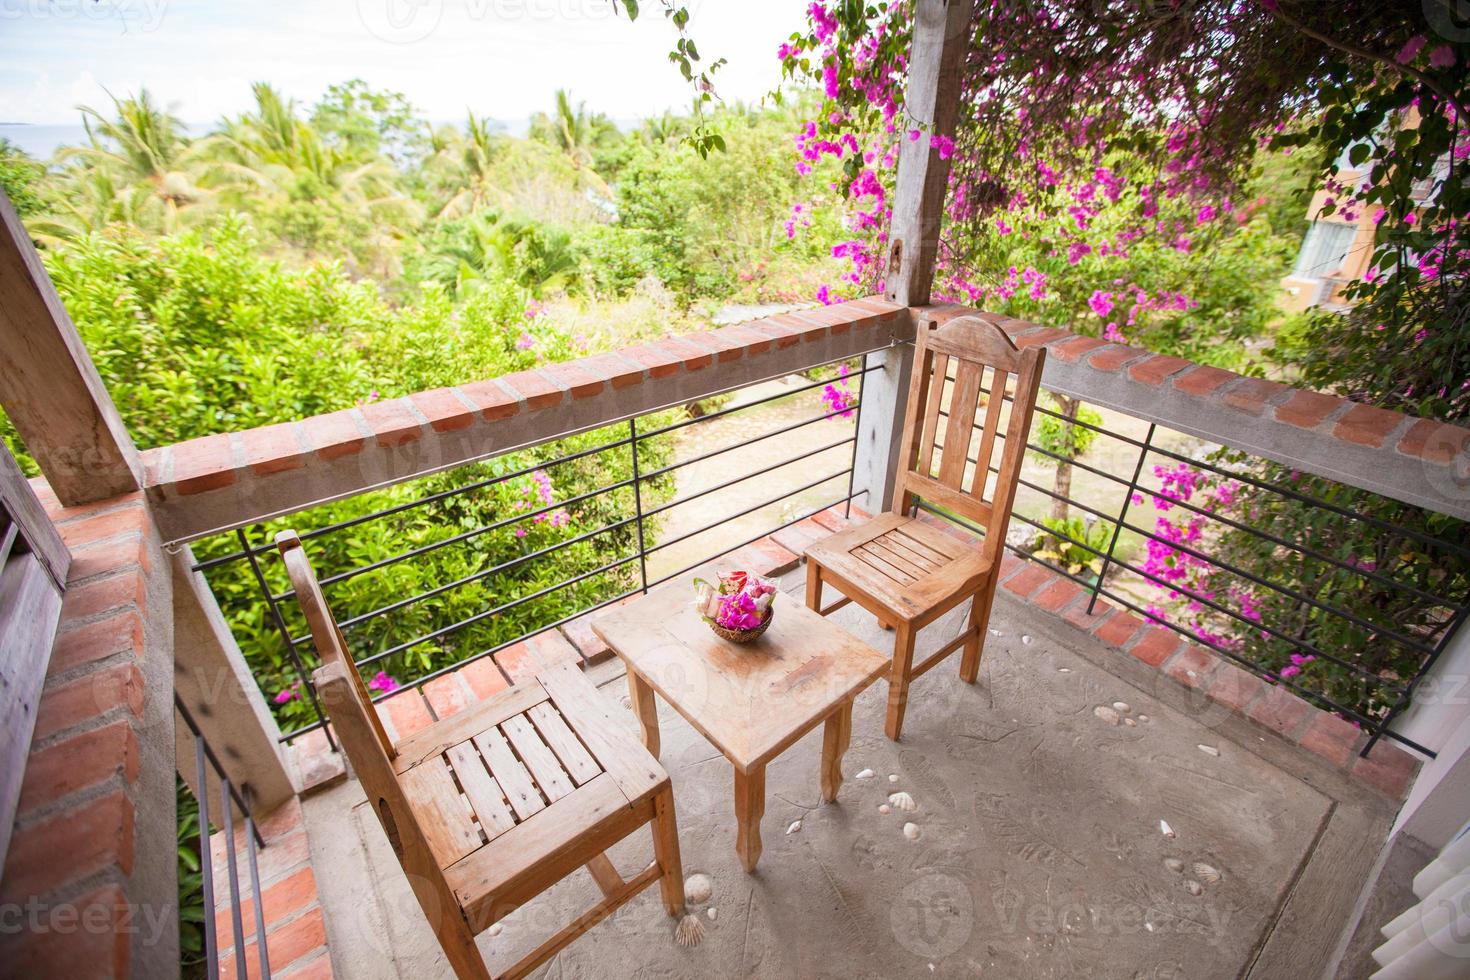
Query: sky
x,y
500,58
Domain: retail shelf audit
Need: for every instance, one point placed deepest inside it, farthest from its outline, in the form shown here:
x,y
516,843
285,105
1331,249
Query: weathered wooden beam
x,y
49,386
931,104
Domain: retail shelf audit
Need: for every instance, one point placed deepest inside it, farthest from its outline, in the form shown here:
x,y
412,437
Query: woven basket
x,y
743,636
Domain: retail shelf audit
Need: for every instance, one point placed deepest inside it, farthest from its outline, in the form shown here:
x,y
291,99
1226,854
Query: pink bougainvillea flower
x,y
525,341
1442,57
286,694
384,683
1411,49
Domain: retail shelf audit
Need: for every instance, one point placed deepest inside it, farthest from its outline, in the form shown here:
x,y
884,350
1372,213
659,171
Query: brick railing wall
x,y
227,480
91,868
1416,460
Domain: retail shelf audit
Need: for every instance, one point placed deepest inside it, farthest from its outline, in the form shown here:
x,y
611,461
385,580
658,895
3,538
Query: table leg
x,y
640,693
836,734
750,806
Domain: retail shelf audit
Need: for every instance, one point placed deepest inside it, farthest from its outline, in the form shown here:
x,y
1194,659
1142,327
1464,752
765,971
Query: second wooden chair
x,y
905,571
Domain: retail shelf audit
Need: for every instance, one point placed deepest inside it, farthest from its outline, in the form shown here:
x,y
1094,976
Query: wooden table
x,y
752,701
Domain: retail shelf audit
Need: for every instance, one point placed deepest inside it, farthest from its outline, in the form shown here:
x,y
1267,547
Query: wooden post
x,y
48,385
936,62
931,104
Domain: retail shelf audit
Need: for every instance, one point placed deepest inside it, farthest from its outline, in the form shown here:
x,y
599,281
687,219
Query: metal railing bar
x,y
219,770
857,426
760,401
748,510
1266,535
206,862
1184,591
347,624
749,476
460,538
241,964
250,834
1407,697
486,614
638,504
1378,522
1253,667
420,501
280,620
739,445
764,534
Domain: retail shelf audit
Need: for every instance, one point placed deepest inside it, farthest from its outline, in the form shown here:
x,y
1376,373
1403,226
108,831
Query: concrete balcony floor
x,y
1040,854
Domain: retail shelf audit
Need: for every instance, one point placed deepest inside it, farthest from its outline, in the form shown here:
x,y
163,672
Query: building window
x,y
1324,249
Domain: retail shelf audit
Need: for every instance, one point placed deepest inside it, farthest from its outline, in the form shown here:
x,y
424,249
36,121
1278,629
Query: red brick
x,y
484,678
1331,738
804,330
1058,594
580,382
407,712
1155,369
120,633
800,536
1233,687
87,697
1155,646
493,401
695,357
1116,357
443,409
1119,629
1010,564
284,820
129,588
105,558
285,898
297,939
1038,337
272,449
518,662
393,422
1025,582
579,633
1366,425
447,695
1436,442
784,332
78,763
1280,710
91,941
1078,615
1191,666
538,392
100,527
314,968
1307,409
616,371
833,518
1074,350
333,435
733,343
657,359
1387,768
80,841
203,464
1252,394
1203,380
62,515
764,557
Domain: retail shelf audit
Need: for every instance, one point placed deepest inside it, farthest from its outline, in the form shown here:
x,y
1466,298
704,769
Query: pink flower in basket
x,y
740,602
738,612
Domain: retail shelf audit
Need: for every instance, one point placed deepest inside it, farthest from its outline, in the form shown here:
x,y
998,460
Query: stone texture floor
x,y
1041,850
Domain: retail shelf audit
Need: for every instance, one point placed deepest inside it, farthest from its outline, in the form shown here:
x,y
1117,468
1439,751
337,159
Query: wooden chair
x,y
906,572
490,807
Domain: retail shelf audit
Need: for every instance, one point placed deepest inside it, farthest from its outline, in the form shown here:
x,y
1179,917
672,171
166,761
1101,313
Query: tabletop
x,y
750,700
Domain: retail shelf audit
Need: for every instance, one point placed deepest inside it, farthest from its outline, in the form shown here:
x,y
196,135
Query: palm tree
x,y
462,165
576,132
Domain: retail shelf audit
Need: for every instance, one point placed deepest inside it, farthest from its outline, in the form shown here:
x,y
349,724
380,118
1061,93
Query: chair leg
x,y
980,605
666,852
898,679
813,586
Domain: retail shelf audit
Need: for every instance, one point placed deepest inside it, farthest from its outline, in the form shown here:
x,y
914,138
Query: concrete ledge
x,y
227,480
1416,460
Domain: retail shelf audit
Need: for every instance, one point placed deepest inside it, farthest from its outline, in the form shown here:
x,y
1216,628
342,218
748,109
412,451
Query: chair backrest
x,y
962,368
371,752
331,646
